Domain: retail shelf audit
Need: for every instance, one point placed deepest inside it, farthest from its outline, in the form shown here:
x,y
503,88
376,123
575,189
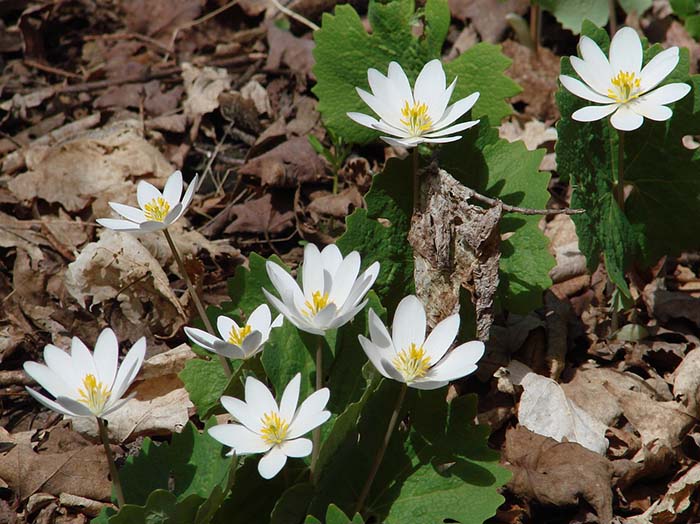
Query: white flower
x,y
157,210
407,356
265,427
625,89
332,293
85,384
238,342
414,117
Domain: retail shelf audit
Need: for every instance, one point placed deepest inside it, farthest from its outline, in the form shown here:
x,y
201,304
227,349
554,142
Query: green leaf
x,y
245,288
335,515
345,51
379,232
572,13
441,468
206,382
181,482
660,170
509,172
292,505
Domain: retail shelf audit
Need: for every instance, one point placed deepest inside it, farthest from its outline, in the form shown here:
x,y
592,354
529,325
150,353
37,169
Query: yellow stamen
x,y
236,336
416,118
157,209
94,394
318,302
625,87
412,363
274,429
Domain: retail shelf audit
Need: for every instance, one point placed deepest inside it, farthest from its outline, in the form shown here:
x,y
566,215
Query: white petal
x,y
591,113
280,306
666,94
452,129
300,447
128,212
152,225
81,358
345,278
145,193
203,338
260,319
360,288
441,338
251,344
324,317
259,399
380,334
362,119
625,119
658,68
310,414
380,106
430,89
106,357
111,406
456,110
285,285
595,58
331,258
428,384
271,464
173,214
597,80
409,323
62,365
173,189
375,354
440,110
116,224
240,411
626,51
48,379
129,368
239,438
73,406
582,90
458,363
224,325
290,398
651,111
442,140
402,142
400,84
189,194
45,401
312,271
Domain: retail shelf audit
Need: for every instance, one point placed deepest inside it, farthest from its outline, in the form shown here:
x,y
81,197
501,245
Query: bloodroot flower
x,y
238,342
333,292
408,356
156,210
262,426
414,117
626,90
85,384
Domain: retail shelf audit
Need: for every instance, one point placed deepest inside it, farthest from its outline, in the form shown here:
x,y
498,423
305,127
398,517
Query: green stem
x,y
316,433
380,454
113,472
195,297
620,187
416,179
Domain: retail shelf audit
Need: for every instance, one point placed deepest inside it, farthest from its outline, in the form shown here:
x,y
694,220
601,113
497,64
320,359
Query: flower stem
x,y
195,297
416,179
102,429
620,187
316,433
535,26
613,17
380,454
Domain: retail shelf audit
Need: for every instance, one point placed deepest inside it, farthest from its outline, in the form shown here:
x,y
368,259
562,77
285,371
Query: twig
x,y
130,36
198,21
49,69
296,16
522,210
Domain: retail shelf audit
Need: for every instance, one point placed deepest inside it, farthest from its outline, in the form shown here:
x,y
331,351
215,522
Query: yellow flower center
x,y
94,394
236,336
157,209
416,118
412,363
274,429
317,303
625,87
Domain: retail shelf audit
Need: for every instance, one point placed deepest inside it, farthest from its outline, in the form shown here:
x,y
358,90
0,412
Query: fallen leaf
x,y
686,384
202,88
339,205
287,49
545,409
291,163
557,473
164,16
489,18
260,215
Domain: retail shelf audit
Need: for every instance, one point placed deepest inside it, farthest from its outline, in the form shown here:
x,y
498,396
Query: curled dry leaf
x,y
557,473
287,49
339,205
287,165
202,88
545,409
118,267
686,385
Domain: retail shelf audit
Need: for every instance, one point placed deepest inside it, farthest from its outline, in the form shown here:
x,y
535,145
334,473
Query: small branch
x,y
522,210
296,16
